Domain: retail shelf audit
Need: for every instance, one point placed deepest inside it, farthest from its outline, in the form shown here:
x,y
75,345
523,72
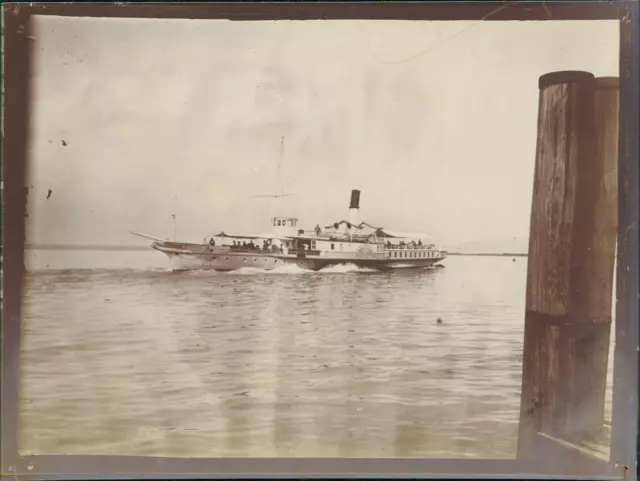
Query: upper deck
x,y
344,248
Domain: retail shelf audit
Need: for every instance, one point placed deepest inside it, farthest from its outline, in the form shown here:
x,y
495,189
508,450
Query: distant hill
x,y
516,246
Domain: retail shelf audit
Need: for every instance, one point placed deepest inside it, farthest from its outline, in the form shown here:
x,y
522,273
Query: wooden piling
x,y
570,262
624,424
601,261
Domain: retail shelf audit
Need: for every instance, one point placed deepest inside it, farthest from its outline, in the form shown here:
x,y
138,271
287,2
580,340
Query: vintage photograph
x,y
308,238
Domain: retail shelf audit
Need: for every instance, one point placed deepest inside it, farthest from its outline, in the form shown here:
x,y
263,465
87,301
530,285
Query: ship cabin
x,y
346,240
412,249
245,244
334,246
290,222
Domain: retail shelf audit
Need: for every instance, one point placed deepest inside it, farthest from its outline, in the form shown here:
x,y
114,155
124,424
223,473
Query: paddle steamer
x,y
344,242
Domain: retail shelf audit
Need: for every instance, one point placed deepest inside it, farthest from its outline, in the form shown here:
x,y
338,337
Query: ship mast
x,y
174,215
278,180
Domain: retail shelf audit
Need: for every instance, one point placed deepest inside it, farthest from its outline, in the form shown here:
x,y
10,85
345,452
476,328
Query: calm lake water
x,y
343,363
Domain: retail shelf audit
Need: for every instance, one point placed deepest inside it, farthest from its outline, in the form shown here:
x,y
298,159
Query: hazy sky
x,y
434,121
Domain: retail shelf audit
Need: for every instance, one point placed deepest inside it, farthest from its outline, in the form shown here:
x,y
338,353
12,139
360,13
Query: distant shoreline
x,y
62,247
487,254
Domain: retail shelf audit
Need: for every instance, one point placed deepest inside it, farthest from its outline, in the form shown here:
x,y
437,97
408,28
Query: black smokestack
x,y
355,199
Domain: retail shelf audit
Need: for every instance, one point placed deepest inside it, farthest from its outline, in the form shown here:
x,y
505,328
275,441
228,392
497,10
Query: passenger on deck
x,y
212,242
419,242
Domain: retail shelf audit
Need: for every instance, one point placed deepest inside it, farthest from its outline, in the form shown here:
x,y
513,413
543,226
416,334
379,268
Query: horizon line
x,y
127,247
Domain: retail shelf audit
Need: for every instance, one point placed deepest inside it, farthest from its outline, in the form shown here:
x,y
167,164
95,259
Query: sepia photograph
x,y
340,238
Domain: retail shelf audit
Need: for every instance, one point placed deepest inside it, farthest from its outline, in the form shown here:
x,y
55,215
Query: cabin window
x,y
279,223
341,246
333,246
313,245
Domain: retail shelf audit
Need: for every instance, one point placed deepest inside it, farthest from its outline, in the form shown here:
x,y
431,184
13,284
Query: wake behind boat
x,y
344,242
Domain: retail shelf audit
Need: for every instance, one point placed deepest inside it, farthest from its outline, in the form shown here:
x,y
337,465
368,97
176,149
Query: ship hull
x,y
186,257
186,262
267,262
316,264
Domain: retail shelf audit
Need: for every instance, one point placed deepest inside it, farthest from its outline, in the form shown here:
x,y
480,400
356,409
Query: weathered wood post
x,y
601,262
624,425
570,263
